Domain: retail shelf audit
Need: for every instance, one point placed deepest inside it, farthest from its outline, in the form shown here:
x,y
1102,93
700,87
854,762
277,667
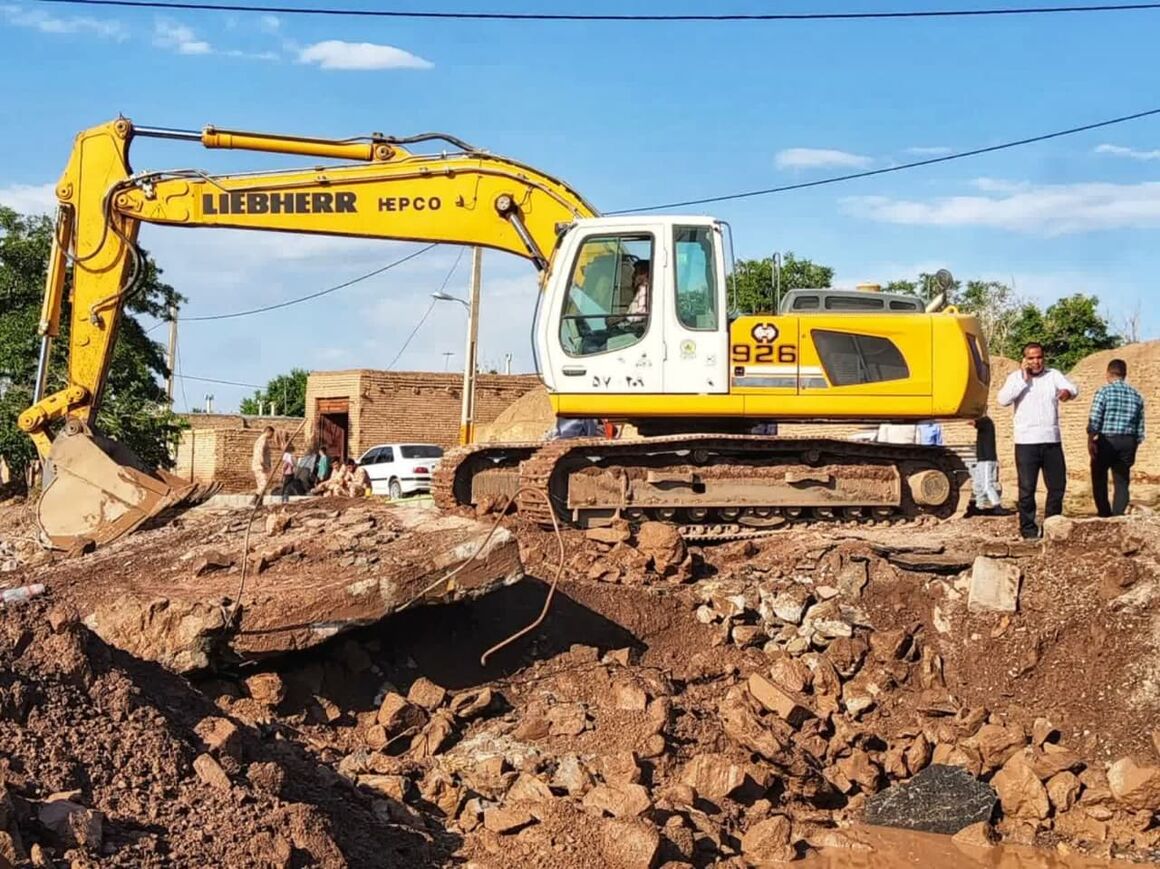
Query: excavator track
x,y
469,475
736,487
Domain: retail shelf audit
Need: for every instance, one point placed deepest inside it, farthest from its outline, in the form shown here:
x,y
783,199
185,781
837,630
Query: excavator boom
x,y
385,191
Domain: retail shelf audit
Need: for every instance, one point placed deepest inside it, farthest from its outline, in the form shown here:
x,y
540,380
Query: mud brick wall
x,y
219,446
388,406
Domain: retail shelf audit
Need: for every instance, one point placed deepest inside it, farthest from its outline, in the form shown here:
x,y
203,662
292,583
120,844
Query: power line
x,y
215,380
959,155
427,313
316,295
585,16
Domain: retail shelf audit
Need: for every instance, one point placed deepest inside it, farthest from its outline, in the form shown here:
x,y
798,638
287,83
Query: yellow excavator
x,y
632,324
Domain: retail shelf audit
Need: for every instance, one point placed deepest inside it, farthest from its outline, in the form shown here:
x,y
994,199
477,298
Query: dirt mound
x,y
528,418
105,758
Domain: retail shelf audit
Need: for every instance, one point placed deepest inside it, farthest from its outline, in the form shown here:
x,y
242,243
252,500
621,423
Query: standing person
x,y
322,467
260,462
287,467
985,473
1115,429
1036,392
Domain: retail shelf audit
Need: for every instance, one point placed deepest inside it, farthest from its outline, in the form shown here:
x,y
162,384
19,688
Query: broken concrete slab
x,y
994,586
185,622
940,799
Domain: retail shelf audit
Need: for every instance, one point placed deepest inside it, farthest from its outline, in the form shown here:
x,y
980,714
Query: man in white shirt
x,y
1036,392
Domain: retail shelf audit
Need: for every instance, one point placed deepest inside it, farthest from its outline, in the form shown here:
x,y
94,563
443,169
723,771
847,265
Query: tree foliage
x,y
286,391
134,409
1069,330
754,282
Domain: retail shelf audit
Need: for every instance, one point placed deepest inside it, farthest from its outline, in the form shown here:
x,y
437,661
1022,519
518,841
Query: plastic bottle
x,y
19,595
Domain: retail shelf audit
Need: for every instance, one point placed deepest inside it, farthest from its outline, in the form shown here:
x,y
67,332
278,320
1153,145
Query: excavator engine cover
x,y
96,490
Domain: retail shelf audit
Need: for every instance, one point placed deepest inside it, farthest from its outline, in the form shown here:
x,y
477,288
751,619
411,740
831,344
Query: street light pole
x,y
467,416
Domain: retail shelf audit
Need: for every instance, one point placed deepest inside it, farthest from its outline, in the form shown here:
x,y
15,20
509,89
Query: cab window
x,y
850,359
696,277
608,305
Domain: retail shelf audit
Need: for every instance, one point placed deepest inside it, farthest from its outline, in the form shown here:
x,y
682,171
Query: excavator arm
x,y
96,490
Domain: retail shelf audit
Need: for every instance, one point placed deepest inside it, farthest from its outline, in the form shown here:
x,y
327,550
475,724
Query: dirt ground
x,y
729,705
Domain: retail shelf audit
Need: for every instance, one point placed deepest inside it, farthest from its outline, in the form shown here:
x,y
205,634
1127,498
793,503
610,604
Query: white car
x,y
401,469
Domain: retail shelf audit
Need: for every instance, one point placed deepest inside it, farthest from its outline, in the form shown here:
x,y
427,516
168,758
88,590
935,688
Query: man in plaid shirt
x,y
1115,429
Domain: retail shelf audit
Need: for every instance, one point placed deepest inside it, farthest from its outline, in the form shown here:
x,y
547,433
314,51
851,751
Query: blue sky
x,y
631,115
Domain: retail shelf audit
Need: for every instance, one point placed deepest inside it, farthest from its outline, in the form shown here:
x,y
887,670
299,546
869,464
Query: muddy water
x,y
903,849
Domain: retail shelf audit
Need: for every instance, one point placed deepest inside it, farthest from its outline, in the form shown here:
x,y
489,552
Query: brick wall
x,y
219,446
387,406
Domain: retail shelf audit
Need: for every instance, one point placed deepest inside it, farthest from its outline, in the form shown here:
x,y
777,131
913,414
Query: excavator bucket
x,y
97,490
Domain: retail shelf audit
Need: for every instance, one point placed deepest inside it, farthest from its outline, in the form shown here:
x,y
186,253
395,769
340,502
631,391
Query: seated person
x,y
336,483
359,481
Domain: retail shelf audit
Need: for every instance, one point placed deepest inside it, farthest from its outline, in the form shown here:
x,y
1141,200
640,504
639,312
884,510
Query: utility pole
x,y
172,352
467,417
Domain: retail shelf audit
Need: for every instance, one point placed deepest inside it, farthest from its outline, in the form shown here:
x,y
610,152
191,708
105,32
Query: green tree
x,y
287,391
754,281
134,409
1069,330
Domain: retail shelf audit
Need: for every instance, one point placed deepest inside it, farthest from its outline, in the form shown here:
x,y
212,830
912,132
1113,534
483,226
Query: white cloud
x,y
813,158
336,54
1121,151
935,151
30,198
269,24
182,39
1048,210
46,23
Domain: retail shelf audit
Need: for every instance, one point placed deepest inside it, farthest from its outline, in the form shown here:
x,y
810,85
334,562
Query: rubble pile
x,y
745,704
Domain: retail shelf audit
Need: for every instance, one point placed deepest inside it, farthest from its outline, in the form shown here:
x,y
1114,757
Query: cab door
x,y
696,334
604,333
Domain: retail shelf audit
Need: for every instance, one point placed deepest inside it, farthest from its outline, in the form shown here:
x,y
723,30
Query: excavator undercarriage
x,y
713,487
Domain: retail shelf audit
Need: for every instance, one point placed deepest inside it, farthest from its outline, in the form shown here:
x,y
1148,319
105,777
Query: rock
x,y
994,586
1134,786
747,635
267,688
1020,791
1057,528
210,562
39,858
610,536
997,744
1063,791
393,786
768,842
266,777
918,754
790,708
1052,760
940,799
847,655
742,725
503,819
790,674
1079,826
1041,731
528,789
70,823
276,523
619,800
434,737
567,719
980,835
210,772
426,694
852,578
1156,742
220,737
468,704
712,776
10,851
571,776
619,768
859,769
890,645
629,844
661,543
790,605
628,695
398,715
